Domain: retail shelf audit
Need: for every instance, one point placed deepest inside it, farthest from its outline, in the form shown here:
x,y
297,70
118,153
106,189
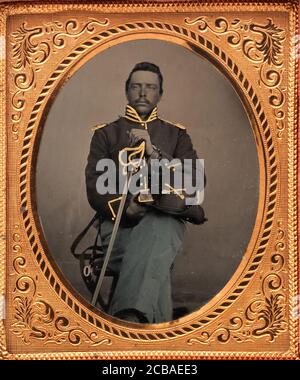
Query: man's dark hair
x,y
147,66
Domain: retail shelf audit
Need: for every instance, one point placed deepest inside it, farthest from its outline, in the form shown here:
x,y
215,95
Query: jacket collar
x,y
132,115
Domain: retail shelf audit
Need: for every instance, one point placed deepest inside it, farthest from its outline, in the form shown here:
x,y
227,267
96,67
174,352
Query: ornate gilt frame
x,y
252,43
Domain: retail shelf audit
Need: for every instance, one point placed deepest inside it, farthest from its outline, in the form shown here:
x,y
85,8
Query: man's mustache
x,y
142,100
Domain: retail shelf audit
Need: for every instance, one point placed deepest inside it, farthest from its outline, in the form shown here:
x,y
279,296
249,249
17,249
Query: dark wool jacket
x,y
171,139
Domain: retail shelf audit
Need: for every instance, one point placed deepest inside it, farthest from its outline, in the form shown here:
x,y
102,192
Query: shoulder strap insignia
x,y
98,127
175,124
180,126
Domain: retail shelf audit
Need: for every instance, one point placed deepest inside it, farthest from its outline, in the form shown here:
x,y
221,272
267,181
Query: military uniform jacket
x,y
171,139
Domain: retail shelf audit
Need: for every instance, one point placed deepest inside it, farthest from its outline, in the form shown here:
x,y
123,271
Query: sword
x,y
131,168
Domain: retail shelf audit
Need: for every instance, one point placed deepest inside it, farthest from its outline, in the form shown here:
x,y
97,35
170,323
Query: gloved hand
x,y
135,210
138,135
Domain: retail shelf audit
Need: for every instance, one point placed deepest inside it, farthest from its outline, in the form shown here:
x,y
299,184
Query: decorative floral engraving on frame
x,y
36,319
30,50
265,316
262,45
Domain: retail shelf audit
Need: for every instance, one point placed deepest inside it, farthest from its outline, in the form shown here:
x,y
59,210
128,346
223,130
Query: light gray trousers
x,y
143,256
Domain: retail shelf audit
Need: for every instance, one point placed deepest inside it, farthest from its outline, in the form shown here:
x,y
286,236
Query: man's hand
x,y
134,210
138,135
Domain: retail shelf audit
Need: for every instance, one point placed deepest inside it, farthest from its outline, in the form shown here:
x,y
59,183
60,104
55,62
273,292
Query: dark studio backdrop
x,y
196,95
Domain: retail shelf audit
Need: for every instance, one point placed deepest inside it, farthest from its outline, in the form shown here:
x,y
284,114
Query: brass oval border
x,y
193,321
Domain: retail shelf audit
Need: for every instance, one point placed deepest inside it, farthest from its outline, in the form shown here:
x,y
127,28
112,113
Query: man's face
x,y
143,92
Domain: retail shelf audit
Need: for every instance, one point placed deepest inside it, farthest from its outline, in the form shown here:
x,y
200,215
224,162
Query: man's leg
x,y
164,310
122,240
149,251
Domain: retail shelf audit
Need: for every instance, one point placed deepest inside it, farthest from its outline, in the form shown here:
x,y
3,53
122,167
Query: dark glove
x,y
172,204
135,211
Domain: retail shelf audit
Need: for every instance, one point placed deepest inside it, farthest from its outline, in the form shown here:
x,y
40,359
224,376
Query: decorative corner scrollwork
x,y
265,316
36,319
30,50
262,45
269,48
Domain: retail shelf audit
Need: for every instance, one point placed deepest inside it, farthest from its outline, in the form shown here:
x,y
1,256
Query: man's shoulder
x,y
172,124
99,127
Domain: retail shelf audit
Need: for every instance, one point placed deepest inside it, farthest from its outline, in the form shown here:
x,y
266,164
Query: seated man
x,y
150,236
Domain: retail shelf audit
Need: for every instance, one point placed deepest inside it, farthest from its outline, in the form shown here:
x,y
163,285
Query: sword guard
x,y
145,197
